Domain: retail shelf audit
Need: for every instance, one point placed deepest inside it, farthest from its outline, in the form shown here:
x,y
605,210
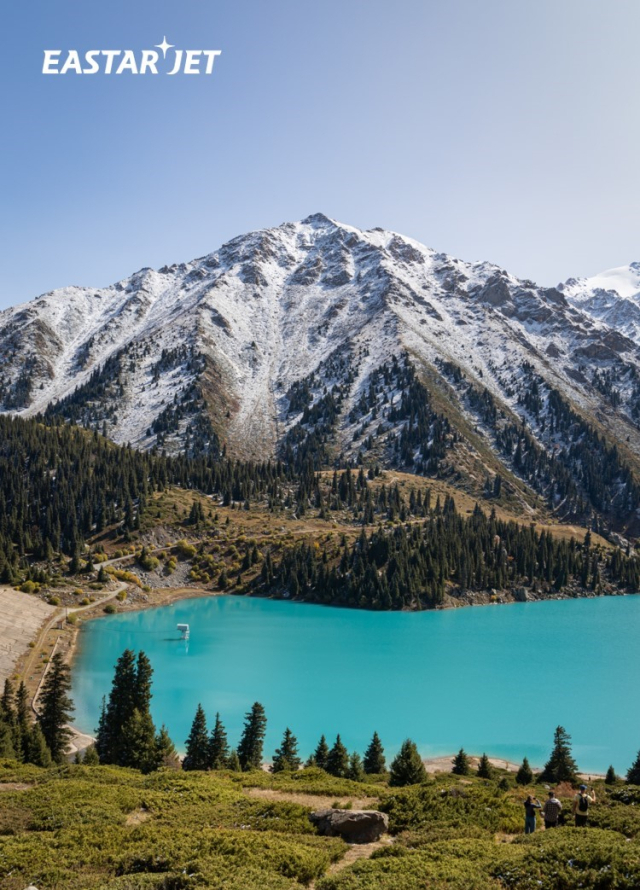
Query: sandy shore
x,y
22,620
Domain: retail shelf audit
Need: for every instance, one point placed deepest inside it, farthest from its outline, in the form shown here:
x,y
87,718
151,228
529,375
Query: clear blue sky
x,y
498,130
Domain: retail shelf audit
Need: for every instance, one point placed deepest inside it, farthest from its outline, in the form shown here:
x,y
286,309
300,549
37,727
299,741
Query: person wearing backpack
x,y
581,804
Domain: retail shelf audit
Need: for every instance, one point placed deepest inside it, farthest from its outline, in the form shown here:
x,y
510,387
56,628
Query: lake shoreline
x,y
139,600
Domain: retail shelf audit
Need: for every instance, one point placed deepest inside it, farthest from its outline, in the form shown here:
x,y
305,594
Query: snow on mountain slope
x,y
612,297
285,339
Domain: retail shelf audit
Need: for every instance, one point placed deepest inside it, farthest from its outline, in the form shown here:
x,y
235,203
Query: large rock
x,y
353,826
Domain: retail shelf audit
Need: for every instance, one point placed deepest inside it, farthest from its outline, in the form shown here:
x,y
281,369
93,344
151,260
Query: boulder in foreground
x,y
353,826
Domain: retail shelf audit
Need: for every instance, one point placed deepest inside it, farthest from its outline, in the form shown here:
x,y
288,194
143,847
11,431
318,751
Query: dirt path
x,y
354,854
60,616
315,801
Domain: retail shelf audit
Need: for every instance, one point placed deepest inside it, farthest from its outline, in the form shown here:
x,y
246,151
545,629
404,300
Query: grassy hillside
x,y
83,827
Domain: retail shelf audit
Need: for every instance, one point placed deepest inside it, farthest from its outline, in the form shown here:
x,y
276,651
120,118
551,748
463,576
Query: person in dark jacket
x,y
531,804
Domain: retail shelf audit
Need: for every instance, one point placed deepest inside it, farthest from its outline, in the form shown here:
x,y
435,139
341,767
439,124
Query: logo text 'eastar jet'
x,y
127,61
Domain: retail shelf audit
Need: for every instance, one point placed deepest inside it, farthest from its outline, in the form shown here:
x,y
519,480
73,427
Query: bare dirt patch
x,y
137,817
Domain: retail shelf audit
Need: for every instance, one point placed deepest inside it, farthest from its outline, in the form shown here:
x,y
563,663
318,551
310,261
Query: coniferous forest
x,y
61,486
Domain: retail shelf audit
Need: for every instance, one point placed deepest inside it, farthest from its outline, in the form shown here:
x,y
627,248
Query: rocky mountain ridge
x,y
321,343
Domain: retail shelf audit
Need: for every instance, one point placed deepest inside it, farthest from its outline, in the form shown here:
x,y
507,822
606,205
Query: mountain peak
x,y
319,220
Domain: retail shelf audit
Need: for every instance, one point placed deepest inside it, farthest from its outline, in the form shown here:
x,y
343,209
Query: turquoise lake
x,y
492,678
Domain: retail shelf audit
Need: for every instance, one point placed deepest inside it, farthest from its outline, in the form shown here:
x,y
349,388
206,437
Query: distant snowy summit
x,y
306,339
612,297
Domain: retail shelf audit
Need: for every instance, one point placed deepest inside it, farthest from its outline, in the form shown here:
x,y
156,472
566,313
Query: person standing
x,y
551,811
581,803
531,804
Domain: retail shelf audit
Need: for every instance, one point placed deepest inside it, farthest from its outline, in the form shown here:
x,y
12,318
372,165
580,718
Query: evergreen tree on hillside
x,y
338,760
407,767
234,762
374,760
610,778
197,745
139,742
165,750
524,776
36,749
218,746
286,756
23,722
356,770
118,710
252,740
7,751
633,773
321,753
561,767
485,770
56,708
460,763
142,688
7,702
90,756
130,695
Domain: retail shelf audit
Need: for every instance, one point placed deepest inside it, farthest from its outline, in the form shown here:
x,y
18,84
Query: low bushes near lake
x,y
109,828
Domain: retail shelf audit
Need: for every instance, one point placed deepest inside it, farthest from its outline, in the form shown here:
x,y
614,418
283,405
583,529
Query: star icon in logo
x,y
164,46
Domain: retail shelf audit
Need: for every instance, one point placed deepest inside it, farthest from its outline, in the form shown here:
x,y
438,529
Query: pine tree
x,y
118,710
36,749
321,753
165,750
356,770
561,767
338,760
22,705
286,756
7,751
233,763
610,778
218,746
485,770
374,760
461,764
524,776
90,757
252,740
197,753
633,773
407,767
142,692
56,708
23,723
139,742
7,702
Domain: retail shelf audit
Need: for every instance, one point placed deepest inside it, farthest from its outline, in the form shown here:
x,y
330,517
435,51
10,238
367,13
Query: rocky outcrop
x,y
353,826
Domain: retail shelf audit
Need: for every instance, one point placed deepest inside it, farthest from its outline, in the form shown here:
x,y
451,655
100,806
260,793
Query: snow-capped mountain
x,y
318,338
